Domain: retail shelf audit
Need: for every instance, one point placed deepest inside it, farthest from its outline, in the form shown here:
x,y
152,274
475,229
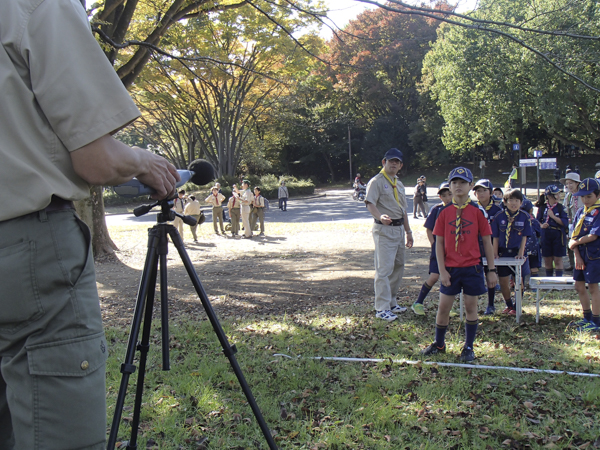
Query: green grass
x,y
311,404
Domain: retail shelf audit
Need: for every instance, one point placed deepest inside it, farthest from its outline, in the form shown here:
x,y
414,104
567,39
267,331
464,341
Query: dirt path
x,y
312,265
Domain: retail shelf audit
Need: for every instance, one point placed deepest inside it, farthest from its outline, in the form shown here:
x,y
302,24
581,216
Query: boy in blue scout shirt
x,y
434,273
586,246
457,232
554,222
483,191
510,229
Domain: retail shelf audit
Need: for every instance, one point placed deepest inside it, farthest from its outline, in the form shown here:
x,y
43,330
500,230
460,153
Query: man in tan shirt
x,y
193,209
61,102
215,199
233,205
246,197
386,201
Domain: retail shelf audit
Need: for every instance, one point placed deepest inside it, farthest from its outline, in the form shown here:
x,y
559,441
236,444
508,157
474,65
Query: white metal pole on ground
x,y
433,363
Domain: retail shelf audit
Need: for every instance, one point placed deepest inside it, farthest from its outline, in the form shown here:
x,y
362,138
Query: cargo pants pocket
x,y
69,392
19,299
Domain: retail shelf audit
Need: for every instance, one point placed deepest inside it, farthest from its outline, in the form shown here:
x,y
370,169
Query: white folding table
x,y
548,283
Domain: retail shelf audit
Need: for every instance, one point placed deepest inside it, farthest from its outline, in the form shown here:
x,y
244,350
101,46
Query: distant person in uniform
x,y
179,206
193,209
61,102
233,205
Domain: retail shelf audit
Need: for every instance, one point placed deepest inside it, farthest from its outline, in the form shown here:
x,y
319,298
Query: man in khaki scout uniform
x,y
179,207
246,197
61,100
386,201
258,211
215,199
193,209
233,205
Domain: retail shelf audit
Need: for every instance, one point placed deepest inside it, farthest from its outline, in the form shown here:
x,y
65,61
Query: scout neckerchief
x,y
233,202
257,201
393,183
458,222
511,219
487,208
548,210
586,211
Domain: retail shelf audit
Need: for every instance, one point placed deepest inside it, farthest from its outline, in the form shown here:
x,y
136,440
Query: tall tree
x,y
131,32
490,88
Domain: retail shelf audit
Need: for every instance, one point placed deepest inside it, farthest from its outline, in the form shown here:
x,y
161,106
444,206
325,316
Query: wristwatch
x,y
492,270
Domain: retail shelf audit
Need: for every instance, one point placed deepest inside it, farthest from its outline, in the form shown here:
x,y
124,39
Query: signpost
x,y
540,163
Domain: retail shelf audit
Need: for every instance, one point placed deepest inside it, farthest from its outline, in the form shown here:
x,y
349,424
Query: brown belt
x,y
58,204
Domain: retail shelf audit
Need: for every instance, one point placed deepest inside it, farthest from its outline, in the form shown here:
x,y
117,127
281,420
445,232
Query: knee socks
x,y
424,291
470,332
440,335
491,295
558,272
596,320
587,314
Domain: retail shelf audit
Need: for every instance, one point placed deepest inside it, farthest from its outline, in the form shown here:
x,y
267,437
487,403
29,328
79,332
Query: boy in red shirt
x,y
457,232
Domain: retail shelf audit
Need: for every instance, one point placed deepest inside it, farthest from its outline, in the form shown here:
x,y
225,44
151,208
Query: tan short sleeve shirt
x,y
59,93
380,192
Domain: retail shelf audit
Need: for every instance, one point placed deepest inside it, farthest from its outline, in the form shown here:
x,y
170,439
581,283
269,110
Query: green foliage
x,y
491,90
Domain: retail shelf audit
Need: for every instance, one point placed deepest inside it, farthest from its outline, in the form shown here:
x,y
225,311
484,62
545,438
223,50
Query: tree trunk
x,y
91,211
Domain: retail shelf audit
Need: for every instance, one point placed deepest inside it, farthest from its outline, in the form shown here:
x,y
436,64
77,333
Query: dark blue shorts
x,y
469,280
554,244
534,261
433,266
591,273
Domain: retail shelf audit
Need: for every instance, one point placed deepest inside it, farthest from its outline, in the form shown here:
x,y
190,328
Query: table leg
x,y
537,307
518,291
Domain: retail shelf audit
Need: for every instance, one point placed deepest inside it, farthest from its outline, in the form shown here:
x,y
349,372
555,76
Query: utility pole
x,y
350,152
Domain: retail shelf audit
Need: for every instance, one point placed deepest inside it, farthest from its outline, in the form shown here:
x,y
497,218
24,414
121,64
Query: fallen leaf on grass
x,y
528,405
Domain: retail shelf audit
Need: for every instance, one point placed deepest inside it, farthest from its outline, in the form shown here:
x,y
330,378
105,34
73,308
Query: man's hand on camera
x,y
158,173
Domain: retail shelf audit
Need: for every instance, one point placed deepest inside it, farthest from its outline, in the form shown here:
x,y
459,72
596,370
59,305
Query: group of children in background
x,y
462,231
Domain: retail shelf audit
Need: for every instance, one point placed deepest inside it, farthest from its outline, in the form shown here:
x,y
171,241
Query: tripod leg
x,y
147,281
143,347
228,350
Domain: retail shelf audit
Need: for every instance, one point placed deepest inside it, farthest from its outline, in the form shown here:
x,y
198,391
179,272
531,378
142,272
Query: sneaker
x,y
433,349
398,309
386,315
512,312
489,311
579,323
418,309
589,327
467,355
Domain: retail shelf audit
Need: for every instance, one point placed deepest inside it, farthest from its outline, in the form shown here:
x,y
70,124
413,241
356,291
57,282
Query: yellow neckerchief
x,y
393,183
586,210
487,208
511,219
458,222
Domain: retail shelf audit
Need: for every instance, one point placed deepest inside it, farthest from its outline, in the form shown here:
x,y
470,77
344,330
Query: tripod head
x,y
166,214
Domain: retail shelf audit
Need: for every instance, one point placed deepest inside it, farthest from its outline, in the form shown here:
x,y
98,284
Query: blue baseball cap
x,y
445,185
462,173
393,153
552,189
484,183
526,205
588,186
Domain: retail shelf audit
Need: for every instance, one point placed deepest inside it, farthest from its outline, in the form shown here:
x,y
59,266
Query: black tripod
x,y
157,251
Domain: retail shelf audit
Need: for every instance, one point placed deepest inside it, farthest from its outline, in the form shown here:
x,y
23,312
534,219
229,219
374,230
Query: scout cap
x,y
571,176
526,205
588,186
552,189
444,186
485,183
462,173
393,153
